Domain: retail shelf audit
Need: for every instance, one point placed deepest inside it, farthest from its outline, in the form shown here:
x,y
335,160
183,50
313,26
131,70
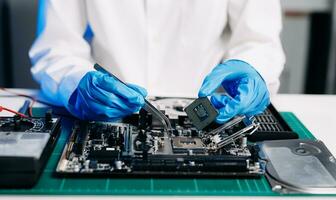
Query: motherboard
x,y
124,148
139,146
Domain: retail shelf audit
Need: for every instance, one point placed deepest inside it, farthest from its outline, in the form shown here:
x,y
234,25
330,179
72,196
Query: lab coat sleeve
x,y
60,55
255,27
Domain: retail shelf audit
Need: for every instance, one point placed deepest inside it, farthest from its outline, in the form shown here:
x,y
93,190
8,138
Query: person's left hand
x,y
246,89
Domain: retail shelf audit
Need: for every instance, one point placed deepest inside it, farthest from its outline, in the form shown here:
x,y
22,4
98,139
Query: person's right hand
x,y
103,98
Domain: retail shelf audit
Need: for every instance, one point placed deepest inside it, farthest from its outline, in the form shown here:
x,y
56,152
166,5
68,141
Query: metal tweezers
x,y
148,106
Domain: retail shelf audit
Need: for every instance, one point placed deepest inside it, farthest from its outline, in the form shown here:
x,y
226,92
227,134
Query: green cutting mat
x,y
48,184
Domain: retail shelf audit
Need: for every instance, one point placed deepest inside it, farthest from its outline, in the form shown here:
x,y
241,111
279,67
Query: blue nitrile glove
x,y
103,98
246,89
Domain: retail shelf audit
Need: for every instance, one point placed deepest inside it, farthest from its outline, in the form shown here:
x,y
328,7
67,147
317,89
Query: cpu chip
x,y
201,113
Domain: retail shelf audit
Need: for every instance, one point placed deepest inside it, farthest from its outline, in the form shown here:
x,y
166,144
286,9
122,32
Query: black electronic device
x,y
272,127
299,166
25,147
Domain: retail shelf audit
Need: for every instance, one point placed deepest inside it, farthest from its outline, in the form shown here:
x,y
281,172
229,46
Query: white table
x,y
316,112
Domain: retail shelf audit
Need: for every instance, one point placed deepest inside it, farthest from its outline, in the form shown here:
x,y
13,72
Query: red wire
x,y
13,111
34,100
30,108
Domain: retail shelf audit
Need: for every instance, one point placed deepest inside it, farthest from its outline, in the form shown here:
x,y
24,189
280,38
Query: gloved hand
x,y
103,98
246,89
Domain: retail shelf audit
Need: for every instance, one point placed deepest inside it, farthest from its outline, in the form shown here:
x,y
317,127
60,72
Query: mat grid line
x,y
248,186
62,184
256,185
151,185
195,184
265,183
107,184
239,185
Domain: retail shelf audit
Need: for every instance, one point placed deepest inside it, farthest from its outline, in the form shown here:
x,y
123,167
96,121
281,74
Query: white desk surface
x,y
316,112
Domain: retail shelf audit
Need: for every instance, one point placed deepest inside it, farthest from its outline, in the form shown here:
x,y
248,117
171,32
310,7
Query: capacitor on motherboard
x,y
118,164
86,164
192,163
156,144
243,142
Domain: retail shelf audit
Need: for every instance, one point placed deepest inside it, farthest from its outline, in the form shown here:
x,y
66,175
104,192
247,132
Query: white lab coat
x,y
166,46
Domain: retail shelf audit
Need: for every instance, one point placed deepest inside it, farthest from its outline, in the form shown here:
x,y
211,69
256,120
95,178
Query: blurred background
x,y
309,40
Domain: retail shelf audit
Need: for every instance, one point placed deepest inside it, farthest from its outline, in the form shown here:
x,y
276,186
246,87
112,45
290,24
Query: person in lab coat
x,y
181,48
